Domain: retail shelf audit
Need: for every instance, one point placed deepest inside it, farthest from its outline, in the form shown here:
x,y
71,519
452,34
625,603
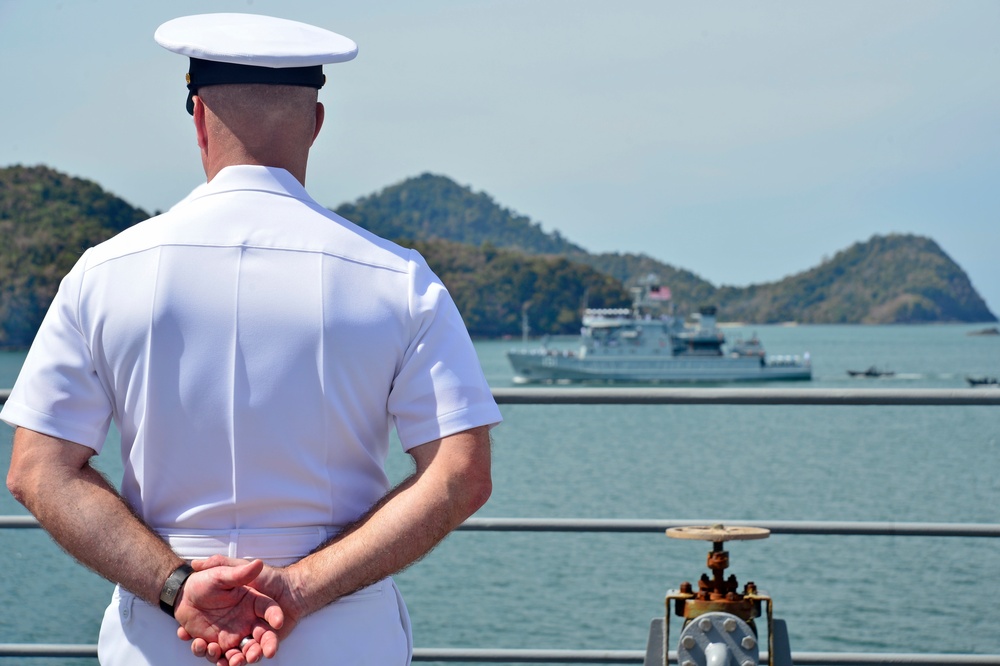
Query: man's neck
x,y
213,169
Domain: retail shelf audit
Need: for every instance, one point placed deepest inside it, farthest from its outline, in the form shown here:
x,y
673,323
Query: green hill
x,y
895,279
430,206
47,220
496,262
886,280
490,286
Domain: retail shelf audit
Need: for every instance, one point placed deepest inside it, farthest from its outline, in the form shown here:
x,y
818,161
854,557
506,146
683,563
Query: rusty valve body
x,y
717,593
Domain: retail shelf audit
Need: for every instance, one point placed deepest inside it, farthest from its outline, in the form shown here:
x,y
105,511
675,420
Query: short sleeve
x,y
58,391
439,389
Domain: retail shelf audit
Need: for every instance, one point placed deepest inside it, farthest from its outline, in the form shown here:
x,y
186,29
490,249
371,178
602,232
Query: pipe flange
x,y
717,639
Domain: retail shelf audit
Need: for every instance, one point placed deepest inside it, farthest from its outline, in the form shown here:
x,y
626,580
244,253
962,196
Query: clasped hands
x,y
227,600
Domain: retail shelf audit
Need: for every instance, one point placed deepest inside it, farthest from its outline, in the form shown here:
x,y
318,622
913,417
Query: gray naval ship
x,y
647,343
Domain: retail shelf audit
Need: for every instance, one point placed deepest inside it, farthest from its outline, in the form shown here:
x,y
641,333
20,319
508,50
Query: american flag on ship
x,y
659,294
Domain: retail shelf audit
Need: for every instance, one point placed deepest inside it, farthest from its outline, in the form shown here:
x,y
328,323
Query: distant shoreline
x,y
726,324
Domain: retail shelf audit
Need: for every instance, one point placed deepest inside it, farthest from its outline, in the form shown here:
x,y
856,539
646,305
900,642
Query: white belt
x,y
276,546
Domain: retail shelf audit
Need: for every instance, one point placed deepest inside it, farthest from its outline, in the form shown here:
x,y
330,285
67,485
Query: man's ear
x,y
320,116
199,123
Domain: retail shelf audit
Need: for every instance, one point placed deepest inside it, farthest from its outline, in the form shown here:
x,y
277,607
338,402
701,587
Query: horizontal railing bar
x,y
883,658
775,526
636,657
565,395
18,522
659,526
524,656
48,650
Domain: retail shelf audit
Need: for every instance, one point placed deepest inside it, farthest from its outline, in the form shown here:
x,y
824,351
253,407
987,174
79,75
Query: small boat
x,y
982,381
993,330
872,371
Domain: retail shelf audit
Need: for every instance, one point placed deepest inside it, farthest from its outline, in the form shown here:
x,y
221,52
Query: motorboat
x,y
872,371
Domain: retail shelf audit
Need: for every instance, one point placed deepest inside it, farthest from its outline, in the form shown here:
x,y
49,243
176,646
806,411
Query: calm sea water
x,y
585,591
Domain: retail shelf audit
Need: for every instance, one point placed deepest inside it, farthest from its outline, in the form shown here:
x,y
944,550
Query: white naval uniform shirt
x,y
254,350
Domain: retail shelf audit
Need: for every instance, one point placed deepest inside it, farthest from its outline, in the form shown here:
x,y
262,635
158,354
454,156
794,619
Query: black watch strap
x,y
172,587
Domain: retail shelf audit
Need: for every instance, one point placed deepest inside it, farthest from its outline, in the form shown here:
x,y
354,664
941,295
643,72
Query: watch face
x,y
170,590
168,594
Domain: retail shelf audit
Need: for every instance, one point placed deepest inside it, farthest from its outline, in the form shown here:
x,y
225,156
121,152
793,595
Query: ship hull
x,y
550,366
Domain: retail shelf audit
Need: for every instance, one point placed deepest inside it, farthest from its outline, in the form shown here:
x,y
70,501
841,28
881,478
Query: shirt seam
x,y
245,246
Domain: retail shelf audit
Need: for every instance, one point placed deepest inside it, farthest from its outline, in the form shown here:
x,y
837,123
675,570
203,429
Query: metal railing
x,y
746,396
539,656
669,396
550,656
738,396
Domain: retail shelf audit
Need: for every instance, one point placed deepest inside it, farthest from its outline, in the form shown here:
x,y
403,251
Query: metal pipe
x,y
660,526
565,395
527,656
884,658
48,650
776,526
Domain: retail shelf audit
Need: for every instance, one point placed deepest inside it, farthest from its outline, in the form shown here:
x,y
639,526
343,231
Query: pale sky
x,y
743,141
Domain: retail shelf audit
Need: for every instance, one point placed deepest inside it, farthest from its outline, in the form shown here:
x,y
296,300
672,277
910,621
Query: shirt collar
x,y
249,177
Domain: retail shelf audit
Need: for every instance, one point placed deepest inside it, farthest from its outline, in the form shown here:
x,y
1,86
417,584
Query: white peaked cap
x,y
255,40
249,48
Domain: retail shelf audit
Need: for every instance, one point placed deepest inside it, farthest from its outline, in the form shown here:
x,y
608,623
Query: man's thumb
x,y
241,574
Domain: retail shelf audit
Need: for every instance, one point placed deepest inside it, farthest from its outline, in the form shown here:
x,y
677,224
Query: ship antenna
x,y
524,322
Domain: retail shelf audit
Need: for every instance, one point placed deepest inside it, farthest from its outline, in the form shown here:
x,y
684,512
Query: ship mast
x,y
524,321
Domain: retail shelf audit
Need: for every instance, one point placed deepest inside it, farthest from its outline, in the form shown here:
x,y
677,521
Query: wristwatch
x,y
172,587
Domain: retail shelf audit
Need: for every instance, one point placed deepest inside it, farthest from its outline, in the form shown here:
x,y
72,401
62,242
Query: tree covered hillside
x,y
886,280
431,206
895,279
490,286
47,220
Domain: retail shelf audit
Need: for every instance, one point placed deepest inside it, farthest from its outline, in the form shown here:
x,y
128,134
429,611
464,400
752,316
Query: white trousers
x,y
369,627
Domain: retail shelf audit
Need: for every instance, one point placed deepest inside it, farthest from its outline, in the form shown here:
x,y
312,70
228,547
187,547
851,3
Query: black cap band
x,y
208,73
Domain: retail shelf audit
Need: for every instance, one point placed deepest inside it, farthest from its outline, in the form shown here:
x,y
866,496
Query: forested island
x,y
496,263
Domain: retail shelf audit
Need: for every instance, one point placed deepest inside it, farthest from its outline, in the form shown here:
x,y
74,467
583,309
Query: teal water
x,y
585,591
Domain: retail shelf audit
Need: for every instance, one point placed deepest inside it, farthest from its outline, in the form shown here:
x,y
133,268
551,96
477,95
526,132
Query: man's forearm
x,y
451,482
86,515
